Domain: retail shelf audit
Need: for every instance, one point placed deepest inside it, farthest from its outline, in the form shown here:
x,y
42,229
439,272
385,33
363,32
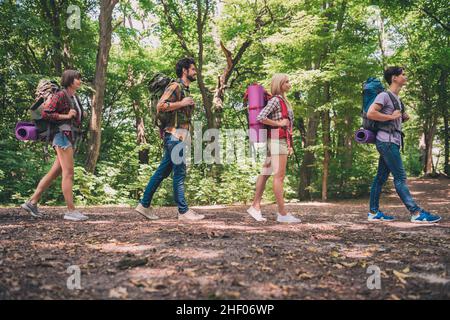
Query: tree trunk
x,y
443,103
326,153
52,15
348,143
140,134
202,16
427,148
326,137
446,144
222,81
207,100
104,45
306,168
381,41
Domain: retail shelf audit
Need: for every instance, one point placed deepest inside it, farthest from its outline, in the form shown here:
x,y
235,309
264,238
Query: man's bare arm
x,y
375,114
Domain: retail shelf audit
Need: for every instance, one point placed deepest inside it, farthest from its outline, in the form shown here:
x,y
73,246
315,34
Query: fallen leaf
x,y
118,293
349,264
233,294
190,272
306,275
400,276
334,254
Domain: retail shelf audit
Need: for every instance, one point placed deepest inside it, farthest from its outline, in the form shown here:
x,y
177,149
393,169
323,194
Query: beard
x,y
191,78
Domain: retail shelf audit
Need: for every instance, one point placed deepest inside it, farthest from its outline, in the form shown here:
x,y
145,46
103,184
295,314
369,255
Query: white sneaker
x,y
75,216
190,215
256,214
146,212
288,219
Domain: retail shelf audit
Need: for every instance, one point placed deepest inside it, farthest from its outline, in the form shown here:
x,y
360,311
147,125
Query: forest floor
x,y
333,254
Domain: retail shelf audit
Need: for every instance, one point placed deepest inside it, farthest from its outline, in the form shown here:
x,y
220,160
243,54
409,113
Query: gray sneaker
x,y
146,212
75,216
190,215
32,209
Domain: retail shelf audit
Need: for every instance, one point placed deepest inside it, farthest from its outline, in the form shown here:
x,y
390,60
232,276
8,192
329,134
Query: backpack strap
x,y
397,106
394,100
285,115
75,133
180,97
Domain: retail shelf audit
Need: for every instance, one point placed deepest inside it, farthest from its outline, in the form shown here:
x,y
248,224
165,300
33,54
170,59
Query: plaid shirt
x,y
59,105
272,111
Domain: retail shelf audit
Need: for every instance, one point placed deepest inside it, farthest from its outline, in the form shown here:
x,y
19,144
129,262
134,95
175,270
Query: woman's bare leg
x,y
279,167
261,184
46,181
65,157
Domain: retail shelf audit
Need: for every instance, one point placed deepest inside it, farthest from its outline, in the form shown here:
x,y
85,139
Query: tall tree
x,y
104,46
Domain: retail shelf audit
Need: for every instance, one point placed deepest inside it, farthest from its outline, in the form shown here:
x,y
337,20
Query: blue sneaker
x,y
379,216
425,217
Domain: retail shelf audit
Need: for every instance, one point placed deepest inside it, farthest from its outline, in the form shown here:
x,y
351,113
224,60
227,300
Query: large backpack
x,y
371,88
41,129
156,86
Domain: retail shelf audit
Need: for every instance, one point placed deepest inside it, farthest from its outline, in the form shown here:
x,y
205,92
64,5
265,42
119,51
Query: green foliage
x,y
328,48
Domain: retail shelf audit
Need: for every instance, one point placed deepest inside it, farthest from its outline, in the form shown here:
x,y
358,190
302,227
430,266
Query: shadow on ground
x,y
229,256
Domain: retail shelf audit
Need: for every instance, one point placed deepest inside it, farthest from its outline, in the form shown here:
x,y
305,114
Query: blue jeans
x,y
391,161
173,160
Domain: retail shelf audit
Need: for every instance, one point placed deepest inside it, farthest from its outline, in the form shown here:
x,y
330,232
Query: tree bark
x,y
52,15
104,45
443,103
381,41
326,137
429,131
141,139
140,133
306,168
222,82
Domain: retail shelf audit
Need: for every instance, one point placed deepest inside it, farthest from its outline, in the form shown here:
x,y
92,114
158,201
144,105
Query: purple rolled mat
x,y
365,136
26,131
257,134
255,105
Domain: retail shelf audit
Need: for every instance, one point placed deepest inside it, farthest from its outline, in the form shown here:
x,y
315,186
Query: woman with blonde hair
x,y
278,116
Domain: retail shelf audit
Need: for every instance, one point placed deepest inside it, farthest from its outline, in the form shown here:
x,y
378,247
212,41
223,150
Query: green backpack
x,y
157,86
47,129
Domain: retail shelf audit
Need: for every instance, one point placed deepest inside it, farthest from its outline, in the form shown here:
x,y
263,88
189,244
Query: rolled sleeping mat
x,y
365,136
26,131
255,95
257,133
256,104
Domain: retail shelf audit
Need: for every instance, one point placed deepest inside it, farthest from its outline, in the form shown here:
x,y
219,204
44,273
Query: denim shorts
x,y
62,141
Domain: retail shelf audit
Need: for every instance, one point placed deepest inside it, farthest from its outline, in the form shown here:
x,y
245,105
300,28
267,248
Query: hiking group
x,y
58,115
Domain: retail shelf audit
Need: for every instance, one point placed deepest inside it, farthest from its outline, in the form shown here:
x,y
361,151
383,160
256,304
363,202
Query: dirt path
x,y
228,256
